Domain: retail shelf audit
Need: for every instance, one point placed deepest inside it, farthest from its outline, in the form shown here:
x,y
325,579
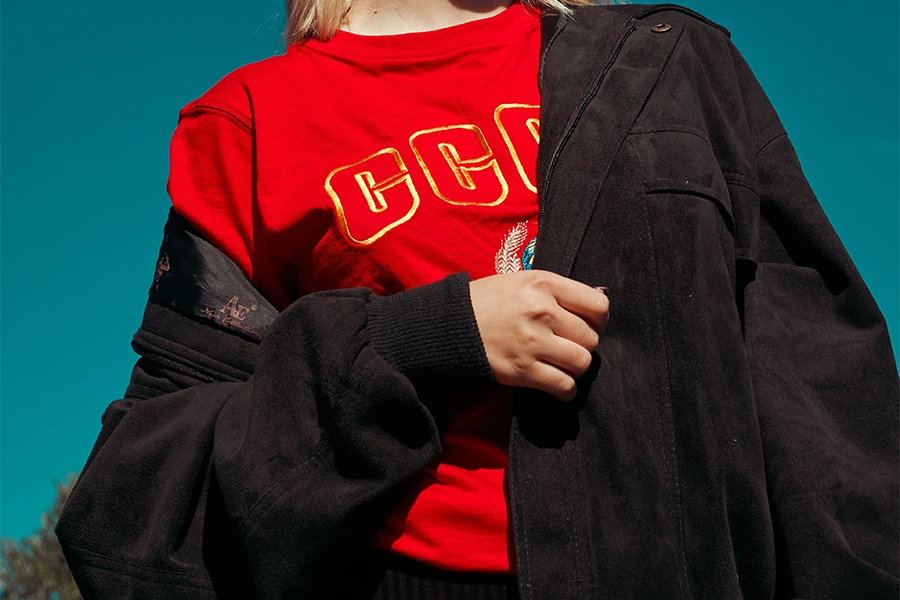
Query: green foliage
x,y
34,568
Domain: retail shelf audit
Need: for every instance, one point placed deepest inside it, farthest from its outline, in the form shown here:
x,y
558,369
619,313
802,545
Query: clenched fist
x,y
539,328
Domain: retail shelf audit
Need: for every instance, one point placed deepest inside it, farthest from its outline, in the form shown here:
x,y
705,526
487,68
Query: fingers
x,y
548,378
574,328
559,363
565,355
539,328
590,304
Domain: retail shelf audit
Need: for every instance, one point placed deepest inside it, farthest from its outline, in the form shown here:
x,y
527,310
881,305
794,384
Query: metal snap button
x,y
660,28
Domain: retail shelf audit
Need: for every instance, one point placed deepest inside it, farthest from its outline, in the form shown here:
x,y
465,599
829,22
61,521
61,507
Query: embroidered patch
x,y
528,254
507,258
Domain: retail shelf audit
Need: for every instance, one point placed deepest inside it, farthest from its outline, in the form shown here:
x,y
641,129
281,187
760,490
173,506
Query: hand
x,y
539,328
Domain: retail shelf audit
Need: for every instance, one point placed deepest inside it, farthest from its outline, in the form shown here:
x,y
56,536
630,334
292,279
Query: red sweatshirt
x,y
386,162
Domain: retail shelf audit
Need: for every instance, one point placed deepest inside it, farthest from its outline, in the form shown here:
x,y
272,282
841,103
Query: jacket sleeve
x,y
249,454
826,386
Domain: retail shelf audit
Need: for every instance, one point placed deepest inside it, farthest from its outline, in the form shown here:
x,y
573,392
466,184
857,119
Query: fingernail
x,y
602,288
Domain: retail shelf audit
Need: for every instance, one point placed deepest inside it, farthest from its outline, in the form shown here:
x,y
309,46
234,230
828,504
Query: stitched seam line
x,y
662,404
677,129
257,511
572,516
738,179
205,109
147,346
687,129
227,108
246,514
513,476
764,146
587,538
722,208
281,487
137,567
278,489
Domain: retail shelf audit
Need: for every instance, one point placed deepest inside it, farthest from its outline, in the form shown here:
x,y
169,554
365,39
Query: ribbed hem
x,y
404,579
430,331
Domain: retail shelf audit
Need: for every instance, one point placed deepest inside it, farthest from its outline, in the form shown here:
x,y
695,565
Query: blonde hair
x,y
322,18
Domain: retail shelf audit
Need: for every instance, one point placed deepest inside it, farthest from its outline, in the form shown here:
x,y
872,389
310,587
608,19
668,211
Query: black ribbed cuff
x,y
430,331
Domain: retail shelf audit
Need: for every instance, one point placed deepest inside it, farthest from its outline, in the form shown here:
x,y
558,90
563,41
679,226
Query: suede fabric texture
x,y
736,437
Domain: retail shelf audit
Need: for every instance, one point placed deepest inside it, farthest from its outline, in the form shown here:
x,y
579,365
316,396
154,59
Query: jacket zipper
x,y
570,127
576,116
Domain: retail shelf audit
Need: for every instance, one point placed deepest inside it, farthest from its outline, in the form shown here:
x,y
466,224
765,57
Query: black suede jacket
x,y
737,436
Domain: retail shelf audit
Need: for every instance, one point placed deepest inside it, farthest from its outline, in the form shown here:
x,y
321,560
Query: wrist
x,y
430,331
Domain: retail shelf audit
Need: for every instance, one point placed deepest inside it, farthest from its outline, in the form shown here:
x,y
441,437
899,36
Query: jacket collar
x,y
597,69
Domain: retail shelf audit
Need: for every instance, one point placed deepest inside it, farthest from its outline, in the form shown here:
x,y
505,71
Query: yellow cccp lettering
x,y
459,165
520,126
372,196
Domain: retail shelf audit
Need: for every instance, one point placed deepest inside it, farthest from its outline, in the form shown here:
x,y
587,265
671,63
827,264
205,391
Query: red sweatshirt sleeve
x,y
210,178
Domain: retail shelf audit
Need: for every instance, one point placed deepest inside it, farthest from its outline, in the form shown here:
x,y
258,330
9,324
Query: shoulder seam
x,y
779,134
206,108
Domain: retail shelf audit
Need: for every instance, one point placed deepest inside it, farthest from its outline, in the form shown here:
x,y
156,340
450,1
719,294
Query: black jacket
x,y
736,438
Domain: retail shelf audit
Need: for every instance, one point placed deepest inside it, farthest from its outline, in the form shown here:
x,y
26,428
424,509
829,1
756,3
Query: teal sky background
x,y
89,95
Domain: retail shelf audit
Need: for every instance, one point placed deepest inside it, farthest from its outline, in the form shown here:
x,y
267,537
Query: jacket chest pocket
x,y
696,220
704,238
686,189
736,206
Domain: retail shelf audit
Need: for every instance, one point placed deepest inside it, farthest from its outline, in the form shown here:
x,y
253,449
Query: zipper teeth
x,y
175,365
570,126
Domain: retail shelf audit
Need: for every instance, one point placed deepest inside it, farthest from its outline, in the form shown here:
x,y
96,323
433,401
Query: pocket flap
x,y
684,186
